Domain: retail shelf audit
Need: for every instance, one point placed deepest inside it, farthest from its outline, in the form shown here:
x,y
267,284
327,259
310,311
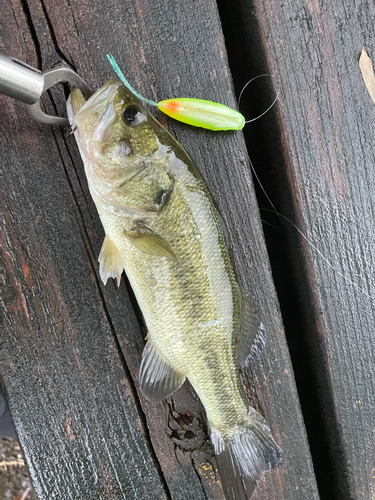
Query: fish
x,y
163,228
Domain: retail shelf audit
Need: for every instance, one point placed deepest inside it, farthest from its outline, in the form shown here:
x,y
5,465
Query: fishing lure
x,y
201,113
196,112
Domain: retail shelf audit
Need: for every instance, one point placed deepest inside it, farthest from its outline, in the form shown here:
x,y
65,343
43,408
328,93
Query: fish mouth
x,y
98,110
103,96
100,107
74,103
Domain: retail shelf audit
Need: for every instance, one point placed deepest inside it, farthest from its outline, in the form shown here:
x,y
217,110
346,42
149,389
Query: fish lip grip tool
x,y
27,84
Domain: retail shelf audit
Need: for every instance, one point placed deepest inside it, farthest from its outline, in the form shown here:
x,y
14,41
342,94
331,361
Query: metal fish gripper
x,y
27,84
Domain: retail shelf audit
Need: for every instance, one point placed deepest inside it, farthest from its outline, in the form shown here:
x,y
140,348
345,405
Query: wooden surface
x,y
320,148
70,348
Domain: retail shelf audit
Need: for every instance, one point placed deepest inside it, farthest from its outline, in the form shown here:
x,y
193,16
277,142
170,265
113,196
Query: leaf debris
x,y
365,65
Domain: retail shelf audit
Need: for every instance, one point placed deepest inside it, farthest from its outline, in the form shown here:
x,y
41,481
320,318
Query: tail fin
x,y
243,458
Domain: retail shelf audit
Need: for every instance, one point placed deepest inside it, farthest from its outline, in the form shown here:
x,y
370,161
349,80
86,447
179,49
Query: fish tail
x,y
245,455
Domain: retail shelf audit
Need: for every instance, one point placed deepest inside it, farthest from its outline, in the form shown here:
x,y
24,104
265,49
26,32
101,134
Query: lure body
x,y
164,229
201,113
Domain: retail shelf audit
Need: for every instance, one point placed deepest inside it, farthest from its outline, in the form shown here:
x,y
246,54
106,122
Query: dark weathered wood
x,y
59,354
74,406
326,118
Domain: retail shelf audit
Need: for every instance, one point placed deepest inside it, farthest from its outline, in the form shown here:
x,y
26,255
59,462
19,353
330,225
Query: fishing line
x,y
319,252
283,216
269,107
303,235
251,163
261,186
120,74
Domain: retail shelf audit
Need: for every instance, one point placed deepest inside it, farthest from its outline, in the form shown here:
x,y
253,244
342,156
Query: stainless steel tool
x,y
27,84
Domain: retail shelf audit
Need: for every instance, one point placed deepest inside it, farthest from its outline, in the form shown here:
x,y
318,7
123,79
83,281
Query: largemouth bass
x,y
163,228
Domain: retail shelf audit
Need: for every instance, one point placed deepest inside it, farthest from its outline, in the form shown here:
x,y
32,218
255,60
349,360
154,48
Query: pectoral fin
x,y
157,378
149,241
111,262
251,335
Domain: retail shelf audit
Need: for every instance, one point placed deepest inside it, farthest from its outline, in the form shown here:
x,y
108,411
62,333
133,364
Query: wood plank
x,y
165,50
325,121
74,405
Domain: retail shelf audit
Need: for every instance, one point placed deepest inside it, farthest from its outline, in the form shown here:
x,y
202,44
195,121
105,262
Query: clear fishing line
x,y
303,235
319,252
283,216
269,107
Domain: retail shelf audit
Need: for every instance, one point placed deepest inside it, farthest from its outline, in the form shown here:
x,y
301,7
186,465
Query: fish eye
x,y
132,115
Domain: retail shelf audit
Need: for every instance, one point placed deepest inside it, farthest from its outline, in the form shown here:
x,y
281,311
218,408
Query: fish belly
x,y
190,305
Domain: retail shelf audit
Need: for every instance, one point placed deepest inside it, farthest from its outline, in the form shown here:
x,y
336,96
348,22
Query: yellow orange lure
x,y
195,112
201,113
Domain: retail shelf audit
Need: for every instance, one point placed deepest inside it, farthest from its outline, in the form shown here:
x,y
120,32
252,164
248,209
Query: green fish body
x,y
163,228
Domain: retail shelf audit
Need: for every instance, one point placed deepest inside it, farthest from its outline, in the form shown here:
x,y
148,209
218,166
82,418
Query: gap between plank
x,y
264,139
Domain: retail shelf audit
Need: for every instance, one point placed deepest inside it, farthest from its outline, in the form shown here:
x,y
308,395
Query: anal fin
x,y
157,378
111,262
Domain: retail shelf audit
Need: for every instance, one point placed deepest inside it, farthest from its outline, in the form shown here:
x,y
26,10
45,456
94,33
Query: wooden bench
x,y
70,348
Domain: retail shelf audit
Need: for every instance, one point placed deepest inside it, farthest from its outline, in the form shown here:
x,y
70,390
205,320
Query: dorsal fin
x,y
157,378
251,333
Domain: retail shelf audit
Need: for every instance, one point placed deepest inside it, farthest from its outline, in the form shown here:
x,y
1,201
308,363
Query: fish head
x,y
115,125
125,148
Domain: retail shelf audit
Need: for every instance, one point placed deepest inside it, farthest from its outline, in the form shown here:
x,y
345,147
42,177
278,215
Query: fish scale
x,y
163,228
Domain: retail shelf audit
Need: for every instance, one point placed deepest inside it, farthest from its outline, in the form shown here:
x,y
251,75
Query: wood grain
x,y
325,179
71,349
74,407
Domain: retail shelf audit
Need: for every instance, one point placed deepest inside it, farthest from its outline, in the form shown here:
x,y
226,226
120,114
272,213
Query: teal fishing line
x,y
120,74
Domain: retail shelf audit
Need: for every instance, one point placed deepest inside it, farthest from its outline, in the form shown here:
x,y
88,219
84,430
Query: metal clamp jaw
x,y
27,84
